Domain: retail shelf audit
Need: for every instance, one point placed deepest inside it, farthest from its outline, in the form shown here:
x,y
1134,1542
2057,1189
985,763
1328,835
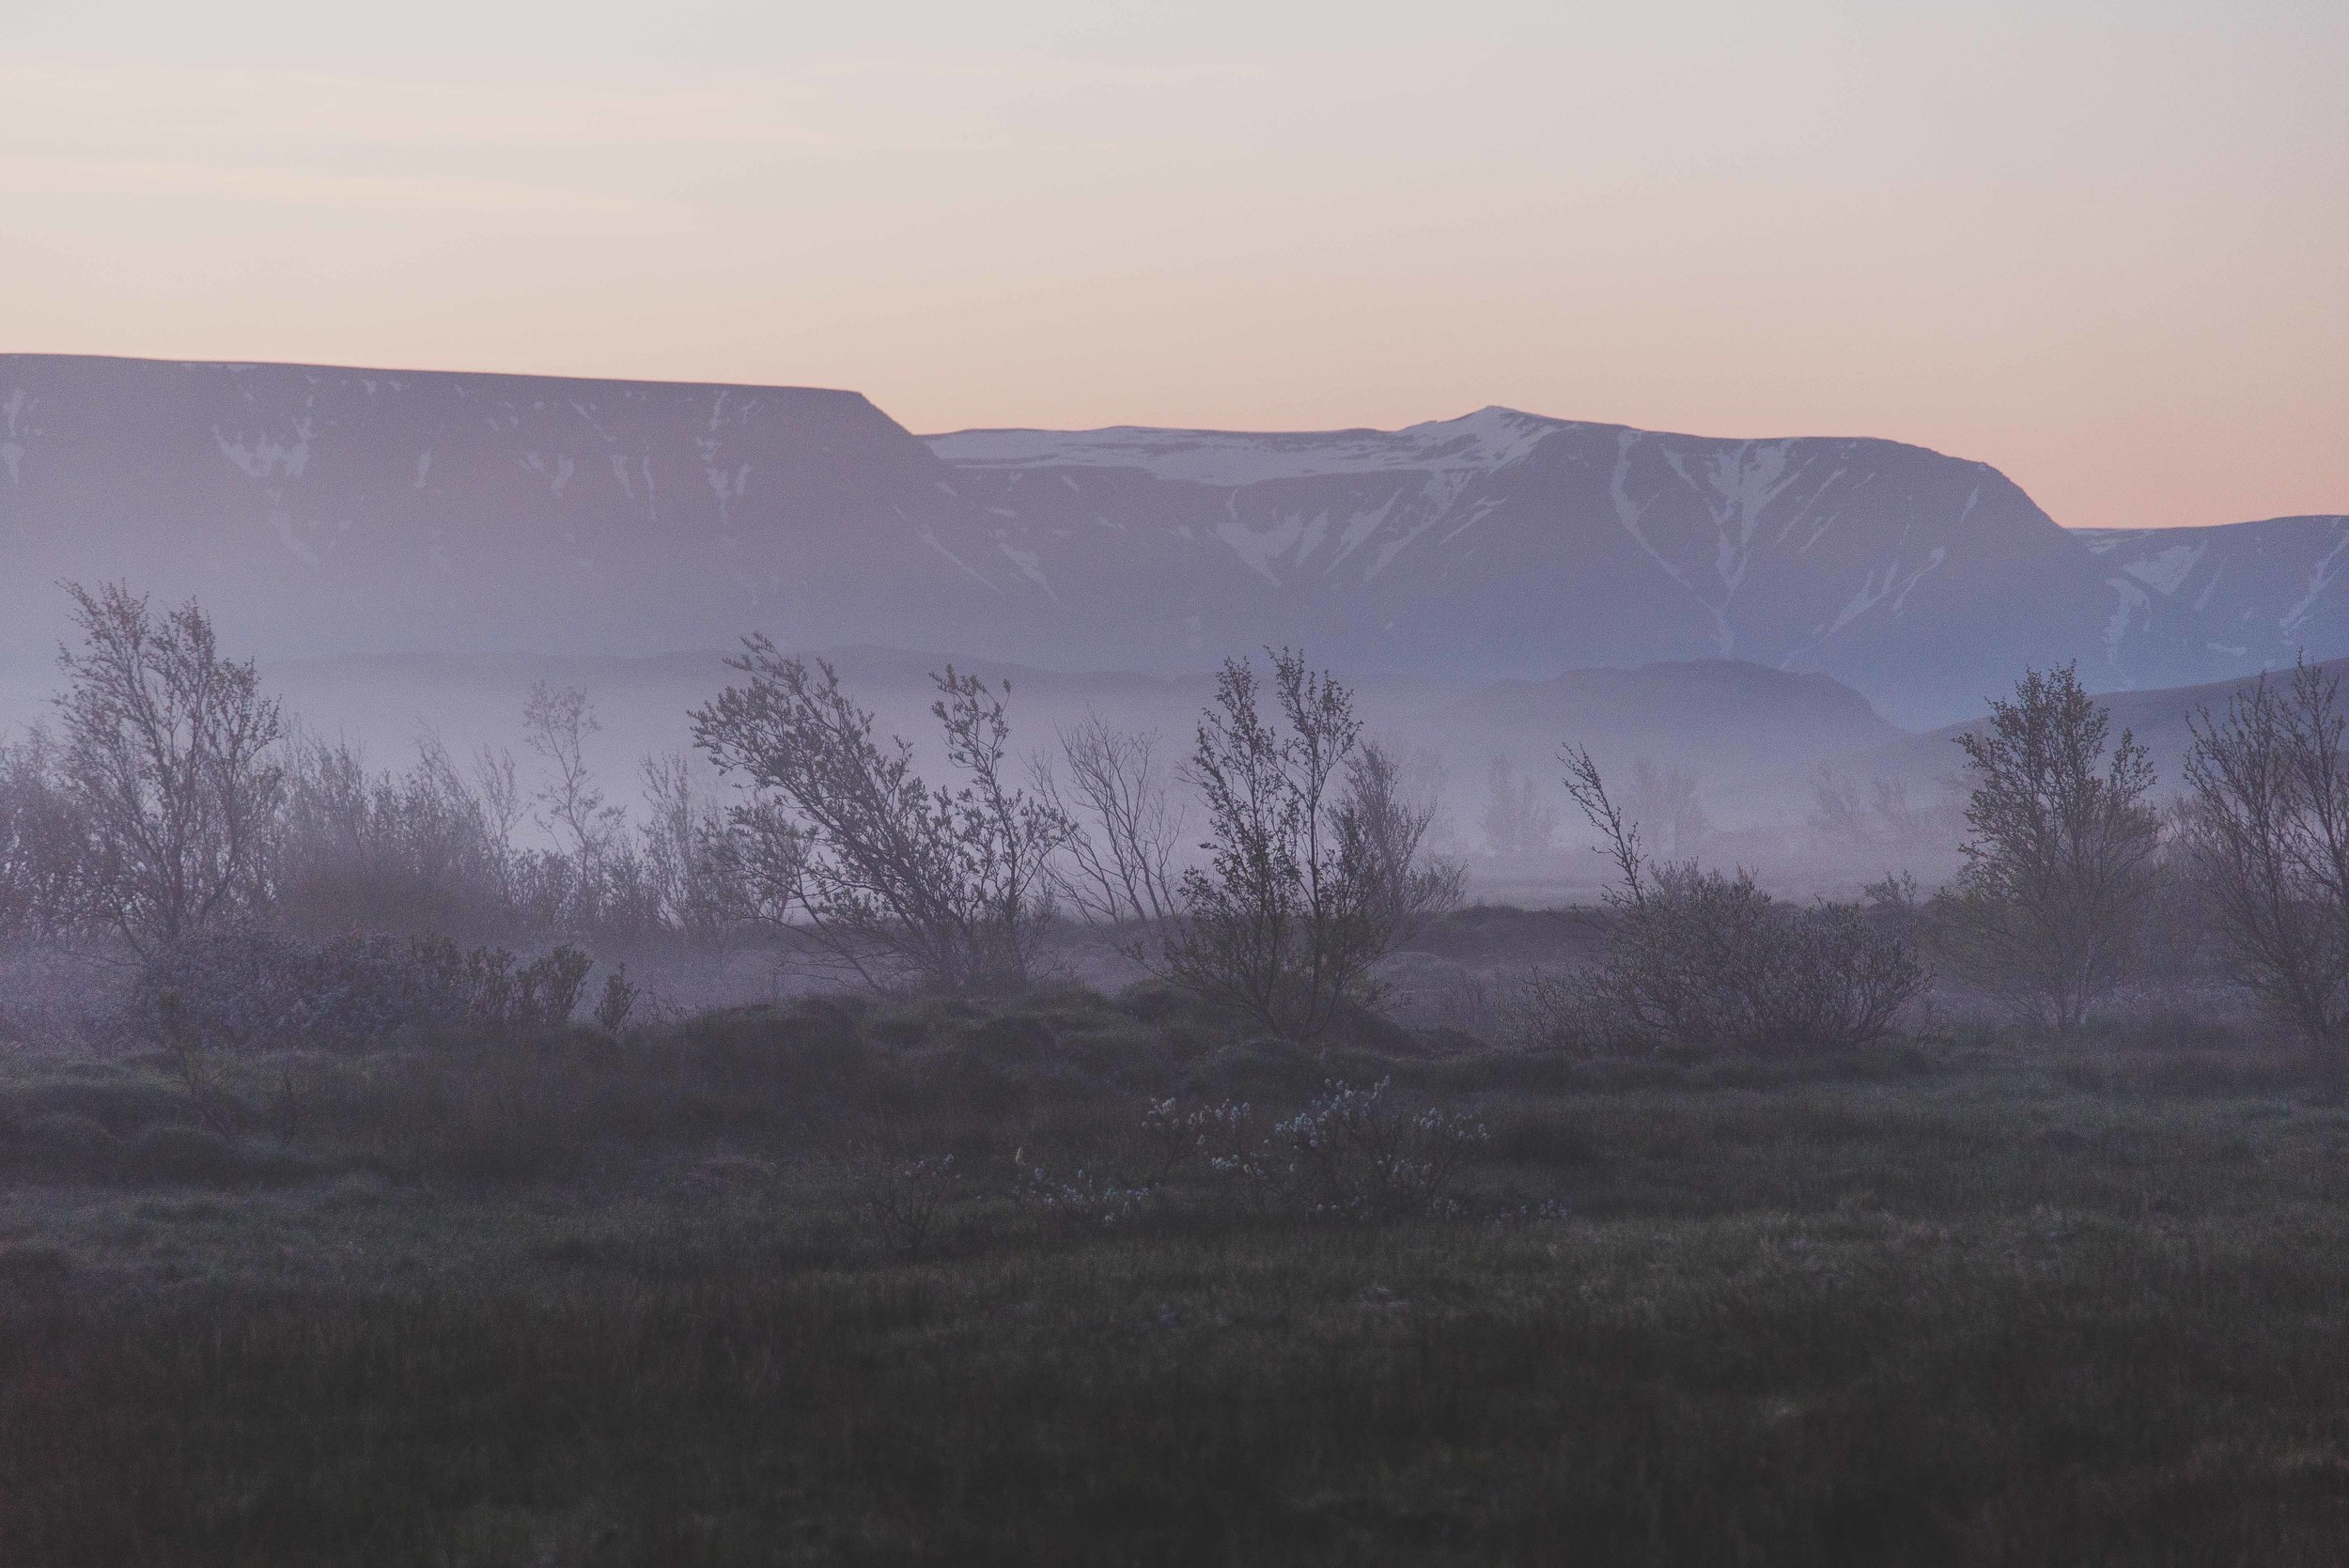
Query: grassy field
x,y
682,1298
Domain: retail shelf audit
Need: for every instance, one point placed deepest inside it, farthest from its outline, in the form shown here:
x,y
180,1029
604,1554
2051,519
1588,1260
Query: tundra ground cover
x,y
566,1297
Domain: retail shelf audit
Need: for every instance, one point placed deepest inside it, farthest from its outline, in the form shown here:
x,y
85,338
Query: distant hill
x,y
323,511
2158,719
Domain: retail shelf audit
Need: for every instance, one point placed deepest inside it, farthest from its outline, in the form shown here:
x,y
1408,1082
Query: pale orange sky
x,y
2100,245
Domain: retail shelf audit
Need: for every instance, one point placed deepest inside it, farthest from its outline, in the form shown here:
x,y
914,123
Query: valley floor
x,y
682,1298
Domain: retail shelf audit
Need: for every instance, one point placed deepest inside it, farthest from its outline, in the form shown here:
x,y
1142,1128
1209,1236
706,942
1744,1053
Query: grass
x,y
571,1301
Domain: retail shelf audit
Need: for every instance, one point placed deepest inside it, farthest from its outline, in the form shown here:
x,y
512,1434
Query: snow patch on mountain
x,y
1485,440
12,449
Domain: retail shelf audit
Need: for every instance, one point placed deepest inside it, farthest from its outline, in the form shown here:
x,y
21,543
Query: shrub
x,y
1695,959
251,990
951,884
902,1198
1316,865
1361,1154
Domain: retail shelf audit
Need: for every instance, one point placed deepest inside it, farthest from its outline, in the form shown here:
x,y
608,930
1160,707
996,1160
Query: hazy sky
x,y
2102,244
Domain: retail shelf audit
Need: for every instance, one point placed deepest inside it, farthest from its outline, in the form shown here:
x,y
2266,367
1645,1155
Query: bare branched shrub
x,y
2048,911
1361,1154
1315,871
2268,837
199,1068
422,851
1118,866
617,1001
700,886
500,993
1698,958
168,756
951,884
557,723
1385,834
902,1198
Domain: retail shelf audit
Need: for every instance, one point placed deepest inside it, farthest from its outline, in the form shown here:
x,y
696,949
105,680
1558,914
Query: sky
x,y
2101,244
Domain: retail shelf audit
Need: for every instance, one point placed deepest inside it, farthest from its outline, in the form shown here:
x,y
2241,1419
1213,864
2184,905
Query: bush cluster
x,y
255,990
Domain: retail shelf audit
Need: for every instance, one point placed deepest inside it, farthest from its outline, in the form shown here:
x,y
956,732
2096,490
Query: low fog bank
x,y
1794,777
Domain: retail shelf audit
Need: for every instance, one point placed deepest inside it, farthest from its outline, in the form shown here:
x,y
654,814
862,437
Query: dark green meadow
x,y
704,1295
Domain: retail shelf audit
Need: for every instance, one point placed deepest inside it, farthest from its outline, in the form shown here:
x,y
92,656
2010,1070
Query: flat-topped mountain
x,y
320,511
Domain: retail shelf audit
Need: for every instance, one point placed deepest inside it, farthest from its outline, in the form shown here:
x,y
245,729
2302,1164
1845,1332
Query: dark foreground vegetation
x,y
1080,1280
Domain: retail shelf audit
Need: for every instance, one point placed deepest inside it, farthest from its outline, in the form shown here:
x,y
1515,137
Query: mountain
x,y
1507,544
320,511
2189,605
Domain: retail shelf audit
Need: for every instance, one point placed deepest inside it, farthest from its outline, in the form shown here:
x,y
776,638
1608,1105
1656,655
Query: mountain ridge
x,y
321,509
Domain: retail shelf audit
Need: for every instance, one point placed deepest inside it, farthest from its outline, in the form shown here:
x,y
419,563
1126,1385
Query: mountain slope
x,y
320,510
2188,603
1506,544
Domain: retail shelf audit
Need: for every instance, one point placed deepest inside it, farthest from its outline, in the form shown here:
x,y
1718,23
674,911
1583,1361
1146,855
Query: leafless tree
x,y
2049,908
1519,824
1406,885
1312,869
495,786
557,723
44,848
1664,801
951,884
2267,835
1118,867
168,755
697,882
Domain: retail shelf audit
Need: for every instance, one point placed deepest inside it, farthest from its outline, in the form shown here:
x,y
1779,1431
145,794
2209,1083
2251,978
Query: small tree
x,y
557,723
1119,867
168,755
2050,907
1519,824
951,884
1665,804
2268,835
1314,867
43,843
1406,886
